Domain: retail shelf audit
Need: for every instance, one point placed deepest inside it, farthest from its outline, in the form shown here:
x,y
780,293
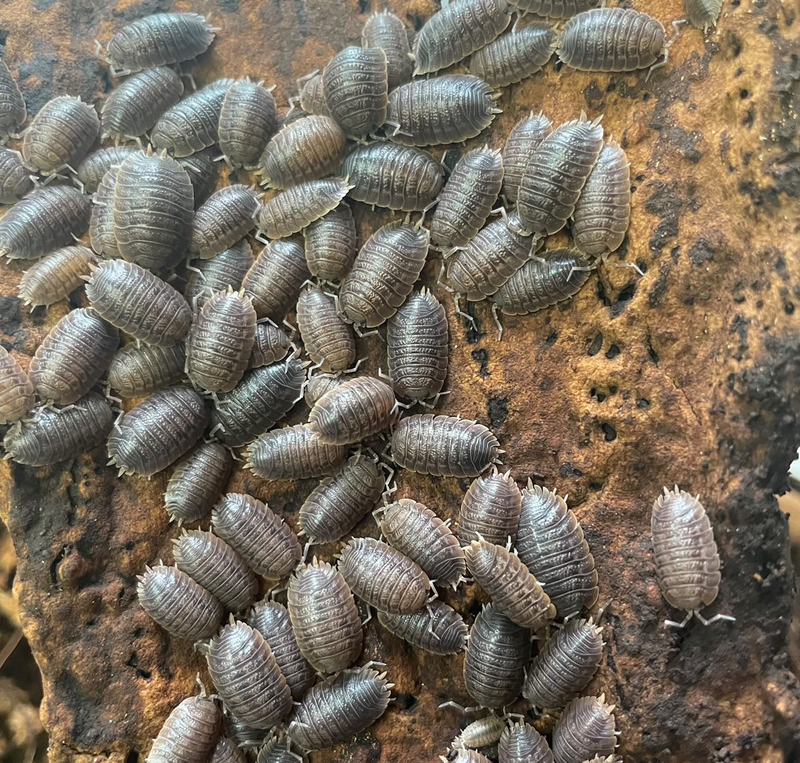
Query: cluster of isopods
x,y
153,209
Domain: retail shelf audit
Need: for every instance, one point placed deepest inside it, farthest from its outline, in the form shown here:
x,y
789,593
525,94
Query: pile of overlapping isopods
x,y
215,361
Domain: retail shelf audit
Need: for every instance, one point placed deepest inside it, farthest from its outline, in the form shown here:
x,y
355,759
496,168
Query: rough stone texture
x,y
686,375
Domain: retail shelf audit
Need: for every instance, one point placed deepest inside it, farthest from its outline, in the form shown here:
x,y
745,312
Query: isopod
x,y
585,729
247,120
73,356
383,274
15,178
203,172
469,756
197,482
480,733
385,31
189,734
227,751
295,208
270,346
137,371
327,337
522,743
275,278
260,536
703,13
92,169
437,629
277,750
443,446
158,431
60,135
457,30
447,109
330,244
324,617
12,105
45,220
16,389
490,510
227,269
467,198
320,384
225,218
334,712
247,677
556,9
245,736
550,543
56,434
312,96
514,56
180,606
521,145
56,276
383,577
102,231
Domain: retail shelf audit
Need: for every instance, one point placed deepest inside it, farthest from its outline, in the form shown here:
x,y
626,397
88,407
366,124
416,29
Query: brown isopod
x,y
327,337
304,150
437,629
12,104
416,531
293,453
312,95
334,712
511,586
102,231
550,543
260,536
585,730
467,198
480,733
192,124
521,145
514,56
158,431
261,399
703,13
16,389
490,510
60,135
383,274
398,177
385,31
353,411
247,120
56,276
220,342
383,577
227,217
139,303
197,482
54,434
203,171
457,30
331,244
135,105
247,677
356,87
685,553
295,208
158,39
45,220
522,743
137,371
417,347
612,40
320,384
556,9
556,174
189,734
227,269
270,345
339,502
324,617
603,210
227,751
180,606
443,446
275,278
272,621
73,356
447,109
153,210
565,665
15,178
92,169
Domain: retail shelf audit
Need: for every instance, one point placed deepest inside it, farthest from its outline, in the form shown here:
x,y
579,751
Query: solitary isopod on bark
x,y
15,178
102,231
227,217
331,244
294,453
270,345
227,751
295,208
203,172
12,104
16,389
585,729
437,629
197,482
514,56
247,120
92,169
703,13
480,733
320,384
556,9
226,269
521,145
521,743
490,510
327,337
189,734
275,278
385,31
137,371
56,276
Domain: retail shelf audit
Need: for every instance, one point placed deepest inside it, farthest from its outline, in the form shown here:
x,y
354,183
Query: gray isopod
x,y
16,389
12,104
227,751
480,733
277,750
386,31
227,269
470,756
703,13
297,207
312,96
142,370
585,729
102,231
320,384
92,169
197,482
490,510
56,276
514,56
189,734
247,120
556,9
521,145
437,629
15,178
331,244
225,218
245,736
521,743
275,278
203,171
270,346
327,337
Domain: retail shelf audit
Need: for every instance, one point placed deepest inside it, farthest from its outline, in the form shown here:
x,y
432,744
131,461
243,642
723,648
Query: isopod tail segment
x,y
696,613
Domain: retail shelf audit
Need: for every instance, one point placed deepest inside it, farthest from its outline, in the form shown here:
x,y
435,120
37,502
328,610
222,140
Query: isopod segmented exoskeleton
x,y
319,384
275,278
92,169
15,178
557,9
296,207
203,172
226,269
312,96
437,629
386,31
327,337
480,733
490,510
56,276
189,734
585,730
16,389
197,482
141,370
516,55
520,146
225,218
270,346
102,231
331,244
703,13
247,120
522,743
12,105
227,751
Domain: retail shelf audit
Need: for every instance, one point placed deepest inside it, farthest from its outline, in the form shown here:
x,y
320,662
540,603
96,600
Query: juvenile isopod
x,y
56,276
45,220
180,606
247,677
514,56
383,577
385,31
56,434
585,729
521,145
398,177
383,274
16,389
102,231
334,712
275,278
443,446
319,384
197,482
490,510
703,13
437,629
556,9
158,431
227,217
480,733
12,105
260,536
227,751
355,410
510,585
15,178
467,198
92,169
550,543
447,109
325,618
327,337
203,172
331,244
137,371
270,345
457,30
295,208
73,356
247,120
226,269
521,743
189,734
60,135
312,96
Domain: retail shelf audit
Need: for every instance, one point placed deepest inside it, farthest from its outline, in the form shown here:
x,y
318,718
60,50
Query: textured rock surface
x,y
686,375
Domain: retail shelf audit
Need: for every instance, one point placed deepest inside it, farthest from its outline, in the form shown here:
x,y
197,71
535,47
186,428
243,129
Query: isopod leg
x,y
714,619
681,624
465,710
496,319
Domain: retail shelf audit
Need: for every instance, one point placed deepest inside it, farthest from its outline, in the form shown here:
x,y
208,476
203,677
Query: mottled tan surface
x,y
686,375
